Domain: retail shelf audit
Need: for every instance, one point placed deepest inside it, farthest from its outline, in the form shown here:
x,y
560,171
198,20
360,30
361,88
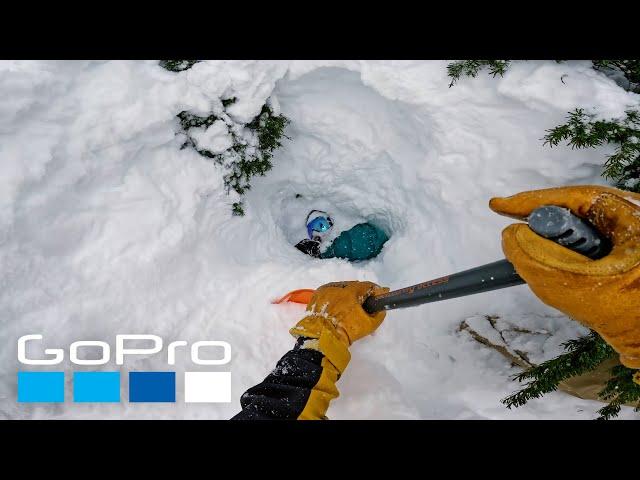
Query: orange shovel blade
x,y
297,296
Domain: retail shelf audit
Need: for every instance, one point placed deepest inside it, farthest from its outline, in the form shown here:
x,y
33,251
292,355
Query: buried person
x,y
602,294
361,242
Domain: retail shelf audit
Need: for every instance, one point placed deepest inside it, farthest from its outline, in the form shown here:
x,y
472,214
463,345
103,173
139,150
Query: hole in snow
x,y
351,235
345,154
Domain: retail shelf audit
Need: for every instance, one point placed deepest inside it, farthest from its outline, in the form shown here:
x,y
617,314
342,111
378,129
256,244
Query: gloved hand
x,y
338,307
602,294
335,319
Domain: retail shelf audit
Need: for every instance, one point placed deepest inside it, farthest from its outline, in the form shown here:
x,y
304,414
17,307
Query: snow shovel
x,y
554,223
297,296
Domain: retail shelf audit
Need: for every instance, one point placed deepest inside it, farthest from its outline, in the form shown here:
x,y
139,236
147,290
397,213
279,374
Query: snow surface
x,y
107,227
216,138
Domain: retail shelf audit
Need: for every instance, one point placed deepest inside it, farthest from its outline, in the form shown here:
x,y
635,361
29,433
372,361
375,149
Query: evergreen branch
x,y
582,131
620,389
629,68
241,160
178,65
582,355
470,68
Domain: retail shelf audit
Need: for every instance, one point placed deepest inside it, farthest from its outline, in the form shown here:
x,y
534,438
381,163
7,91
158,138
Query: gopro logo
x,y
104,386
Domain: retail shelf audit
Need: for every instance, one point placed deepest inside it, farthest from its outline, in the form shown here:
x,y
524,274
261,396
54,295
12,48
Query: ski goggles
x,y
319,224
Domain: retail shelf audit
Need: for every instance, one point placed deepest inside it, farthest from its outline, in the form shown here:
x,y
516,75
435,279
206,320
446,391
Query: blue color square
x,y
152,386
40,387
96,386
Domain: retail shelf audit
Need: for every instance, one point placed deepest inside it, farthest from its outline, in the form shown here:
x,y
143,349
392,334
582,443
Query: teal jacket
x,y
362,242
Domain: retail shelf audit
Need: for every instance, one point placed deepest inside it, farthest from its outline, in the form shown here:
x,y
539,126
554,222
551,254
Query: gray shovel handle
x,y
555,223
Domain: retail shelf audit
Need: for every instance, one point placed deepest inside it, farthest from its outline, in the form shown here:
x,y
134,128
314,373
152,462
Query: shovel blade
x,y
302,296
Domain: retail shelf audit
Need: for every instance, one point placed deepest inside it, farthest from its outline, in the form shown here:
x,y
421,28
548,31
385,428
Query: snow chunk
x,y
216,138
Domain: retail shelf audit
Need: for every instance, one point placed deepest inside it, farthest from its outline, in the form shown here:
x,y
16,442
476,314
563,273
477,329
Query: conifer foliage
x,y
581,356
629,69
177,65
252,145
583,130
471,68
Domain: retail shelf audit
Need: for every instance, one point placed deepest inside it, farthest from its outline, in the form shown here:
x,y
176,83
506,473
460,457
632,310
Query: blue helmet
x,y
319,222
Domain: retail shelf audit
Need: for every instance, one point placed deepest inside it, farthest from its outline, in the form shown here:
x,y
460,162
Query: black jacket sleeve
x,y
287,390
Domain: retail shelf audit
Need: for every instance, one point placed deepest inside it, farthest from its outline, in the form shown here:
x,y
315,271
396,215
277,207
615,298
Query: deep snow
x,y
107,227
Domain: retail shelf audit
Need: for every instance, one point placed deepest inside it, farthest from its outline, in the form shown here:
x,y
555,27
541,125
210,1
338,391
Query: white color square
x,y
207,387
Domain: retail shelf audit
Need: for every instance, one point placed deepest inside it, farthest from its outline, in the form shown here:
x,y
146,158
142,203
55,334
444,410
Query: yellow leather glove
x,y
335,319
337,307
602,294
